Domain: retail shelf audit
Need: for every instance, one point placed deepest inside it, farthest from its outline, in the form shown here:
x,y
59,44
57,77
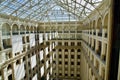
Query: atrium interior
x,y
59,40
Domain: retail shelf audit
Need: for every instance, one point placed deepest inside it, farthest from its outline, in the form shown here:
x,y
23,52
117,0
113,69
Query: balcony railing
x,y
66,31
22,32
7,46
6,33
72,31
66,38
72,38
15,33
27,32
97,53
79,31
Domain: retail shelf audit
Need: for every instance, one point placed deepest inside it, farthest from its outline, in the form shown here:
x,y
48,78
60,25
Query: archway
x,y
5,29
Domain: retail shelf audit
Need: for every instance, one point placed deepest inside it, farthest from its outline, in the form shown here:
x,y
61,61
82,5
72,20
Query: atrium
x,y
59,40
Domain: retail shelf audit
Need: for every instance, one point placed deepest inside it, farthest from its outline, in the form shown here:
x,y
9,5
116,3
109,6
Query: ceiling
x,y
49,10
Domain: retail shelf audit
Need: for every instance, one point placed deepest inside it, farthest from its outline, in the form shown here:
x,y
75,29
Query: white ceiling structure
x,y
49,10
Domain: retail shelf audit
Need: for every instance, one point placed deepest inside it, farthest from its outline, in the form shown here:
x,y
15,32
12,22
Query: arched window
x,y
66,50
15,29
5,29
60,50
72,50
78,50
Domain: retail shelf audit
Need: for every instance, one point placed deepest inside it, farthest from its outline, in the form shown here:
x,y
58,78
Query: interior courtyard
x,y
59,40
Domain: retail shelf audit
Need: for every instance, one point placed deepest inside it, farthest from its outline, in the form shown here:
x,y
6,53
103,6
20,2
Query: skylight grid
x,y
57,9
21,1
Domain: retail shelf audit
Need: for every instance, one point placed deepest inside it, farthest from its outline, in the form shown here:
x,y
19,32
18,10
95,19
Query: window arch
x,y
72,50
66,50
78,50
60,50
5,29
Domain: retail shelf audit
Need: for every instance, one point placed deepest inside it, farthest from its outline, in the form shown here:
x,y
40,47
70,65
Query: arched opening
x,y
94,31
66,50
22,29
31,29
15,29
27,30
35,29
99,48
99,27
6,32
72,50
105,27
78,50
59,50
5,29
38,29
90,27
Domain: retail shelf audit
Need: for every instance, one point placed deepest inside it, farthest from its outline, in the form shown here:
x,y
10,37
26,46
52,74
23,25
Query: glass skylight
x,y
49,10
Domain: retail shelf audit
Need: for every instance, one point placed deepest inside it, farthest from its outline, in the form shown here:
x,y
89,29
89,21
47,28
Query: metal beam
x,y
36,10
20,7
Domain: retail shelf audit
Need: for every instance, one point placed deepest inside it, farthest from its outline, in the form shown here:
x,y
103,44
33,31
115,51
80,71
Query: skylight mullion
x,y
20,7
35,10
5,5
44,11
82,5
43,8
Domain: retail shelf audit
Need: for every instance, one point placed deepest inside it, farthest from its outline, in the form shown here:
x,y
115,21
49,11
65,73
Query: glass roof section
x,y
49,10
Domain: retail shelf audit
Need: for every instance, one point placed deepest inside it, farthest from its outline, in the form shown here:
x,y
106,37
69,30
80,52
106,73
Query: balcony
x,y
97,53
59,38
72,38
65,38
59,31
79,31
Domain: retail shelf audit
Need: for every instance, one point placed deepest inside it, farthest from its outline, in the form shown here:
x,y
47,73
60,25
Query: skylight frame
x,y
34,9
